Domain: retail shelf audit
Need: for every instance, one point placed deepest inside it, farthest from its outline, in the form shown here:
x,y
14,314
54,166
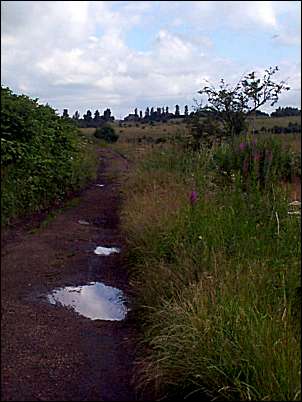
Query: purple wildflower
x,y
193,197
242,146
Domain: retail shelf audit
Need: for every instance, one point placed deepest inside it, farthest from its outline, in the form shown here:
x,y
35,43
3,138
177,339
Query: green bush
x,y
43,158
106,133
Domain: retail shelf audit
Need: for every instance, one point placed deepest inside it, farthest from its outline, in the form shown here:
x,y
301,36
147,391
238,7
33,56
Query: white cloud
x,y
76,54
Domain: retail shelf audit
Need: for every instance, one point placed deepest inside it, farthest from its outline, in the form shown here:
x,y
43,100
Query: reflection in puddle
x,y
83,222
95,300
106,250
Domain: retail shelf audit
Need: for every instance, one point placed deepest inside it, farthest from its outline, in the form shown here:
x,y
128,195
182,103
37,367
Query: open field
x,y
160,132
270,122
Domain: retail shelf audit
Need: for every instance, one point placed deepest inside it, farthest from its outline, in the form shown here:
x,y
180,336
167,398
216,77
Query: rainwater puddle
x,y
83,222
106,250
95,301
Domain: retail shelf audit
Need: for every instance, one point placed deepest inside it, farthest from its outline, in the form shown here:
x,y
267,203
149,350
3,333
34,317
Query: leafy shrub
x,y
43,156
203,132
106,133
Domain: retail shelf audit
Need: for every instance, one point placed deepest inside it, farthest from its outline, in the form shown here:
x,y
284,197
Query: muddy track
x,y
50,353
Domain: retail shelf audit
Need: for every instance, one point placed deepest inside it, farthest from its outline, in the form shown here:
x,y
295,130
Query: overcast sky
x,y
124,54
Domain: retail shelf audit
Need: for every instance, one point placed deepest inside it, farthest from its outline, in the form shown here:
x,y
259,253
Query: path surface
x,y
48,352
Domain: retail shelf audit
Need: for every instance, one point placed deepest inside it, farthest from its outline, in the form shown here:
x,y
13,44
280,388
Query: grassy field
x,y
216,277
130,132
274,121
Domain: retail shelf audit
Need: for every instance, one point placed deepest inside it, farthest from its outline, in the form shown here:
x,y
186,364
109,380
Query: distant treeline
x,y
162,114
158,114
88,121
286,111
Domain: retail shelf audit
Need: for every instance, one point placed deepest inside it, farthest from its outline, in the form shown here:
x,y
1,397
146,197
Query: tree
x,y
65,114
231,106
97,116
147,112
167,110
107,114
135,111
186,111
177,113
76,116
88,116
140,114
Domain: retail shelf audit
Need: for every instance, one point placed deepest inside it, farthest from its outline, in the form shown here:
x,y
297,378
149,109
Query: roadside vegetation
x,y
43,157
214,250
215,261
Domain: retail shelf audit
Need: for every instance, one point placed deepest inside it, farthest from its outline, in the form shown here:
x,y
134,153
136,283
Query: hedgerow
x,y
43,156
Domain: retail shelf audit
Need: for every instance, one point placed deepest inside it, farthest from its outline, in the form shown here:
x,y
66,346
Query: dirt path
x,y
48,352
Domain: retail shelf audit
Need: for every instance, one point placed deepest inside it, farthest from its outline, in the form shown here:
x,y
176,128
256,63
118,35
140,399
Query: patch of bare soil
x,y
51,353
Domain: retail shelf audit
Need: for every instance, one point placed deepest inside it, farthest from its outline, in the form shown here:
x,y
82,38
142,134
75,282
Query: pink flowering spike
x,y
193,197
242,146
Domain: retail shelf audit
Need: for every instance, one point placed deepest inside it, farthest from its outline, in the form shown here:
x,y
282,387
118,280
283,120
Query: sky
x,y
123,55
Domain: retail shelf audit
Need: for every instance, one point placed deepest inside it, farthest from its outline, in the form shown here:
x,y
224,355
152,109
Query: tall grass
x,y
216,281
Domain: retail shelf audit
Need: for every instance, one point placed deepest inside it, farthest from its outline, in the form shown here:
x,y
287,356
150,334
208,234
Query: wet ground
x,y
51,352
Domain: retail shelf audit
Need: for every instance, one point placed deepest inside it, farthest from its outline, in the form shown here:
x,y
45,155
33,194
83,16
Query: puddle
x,y
106,250
95,301
83,222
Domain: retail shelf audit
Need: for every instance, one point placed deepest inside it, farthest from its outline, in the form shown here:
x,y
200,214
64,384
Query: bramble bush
x,y
106,133
43,156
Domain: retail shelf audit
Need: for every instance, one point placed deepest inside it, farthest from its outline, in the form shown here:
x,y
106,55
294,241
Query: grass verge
x,y
217,280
